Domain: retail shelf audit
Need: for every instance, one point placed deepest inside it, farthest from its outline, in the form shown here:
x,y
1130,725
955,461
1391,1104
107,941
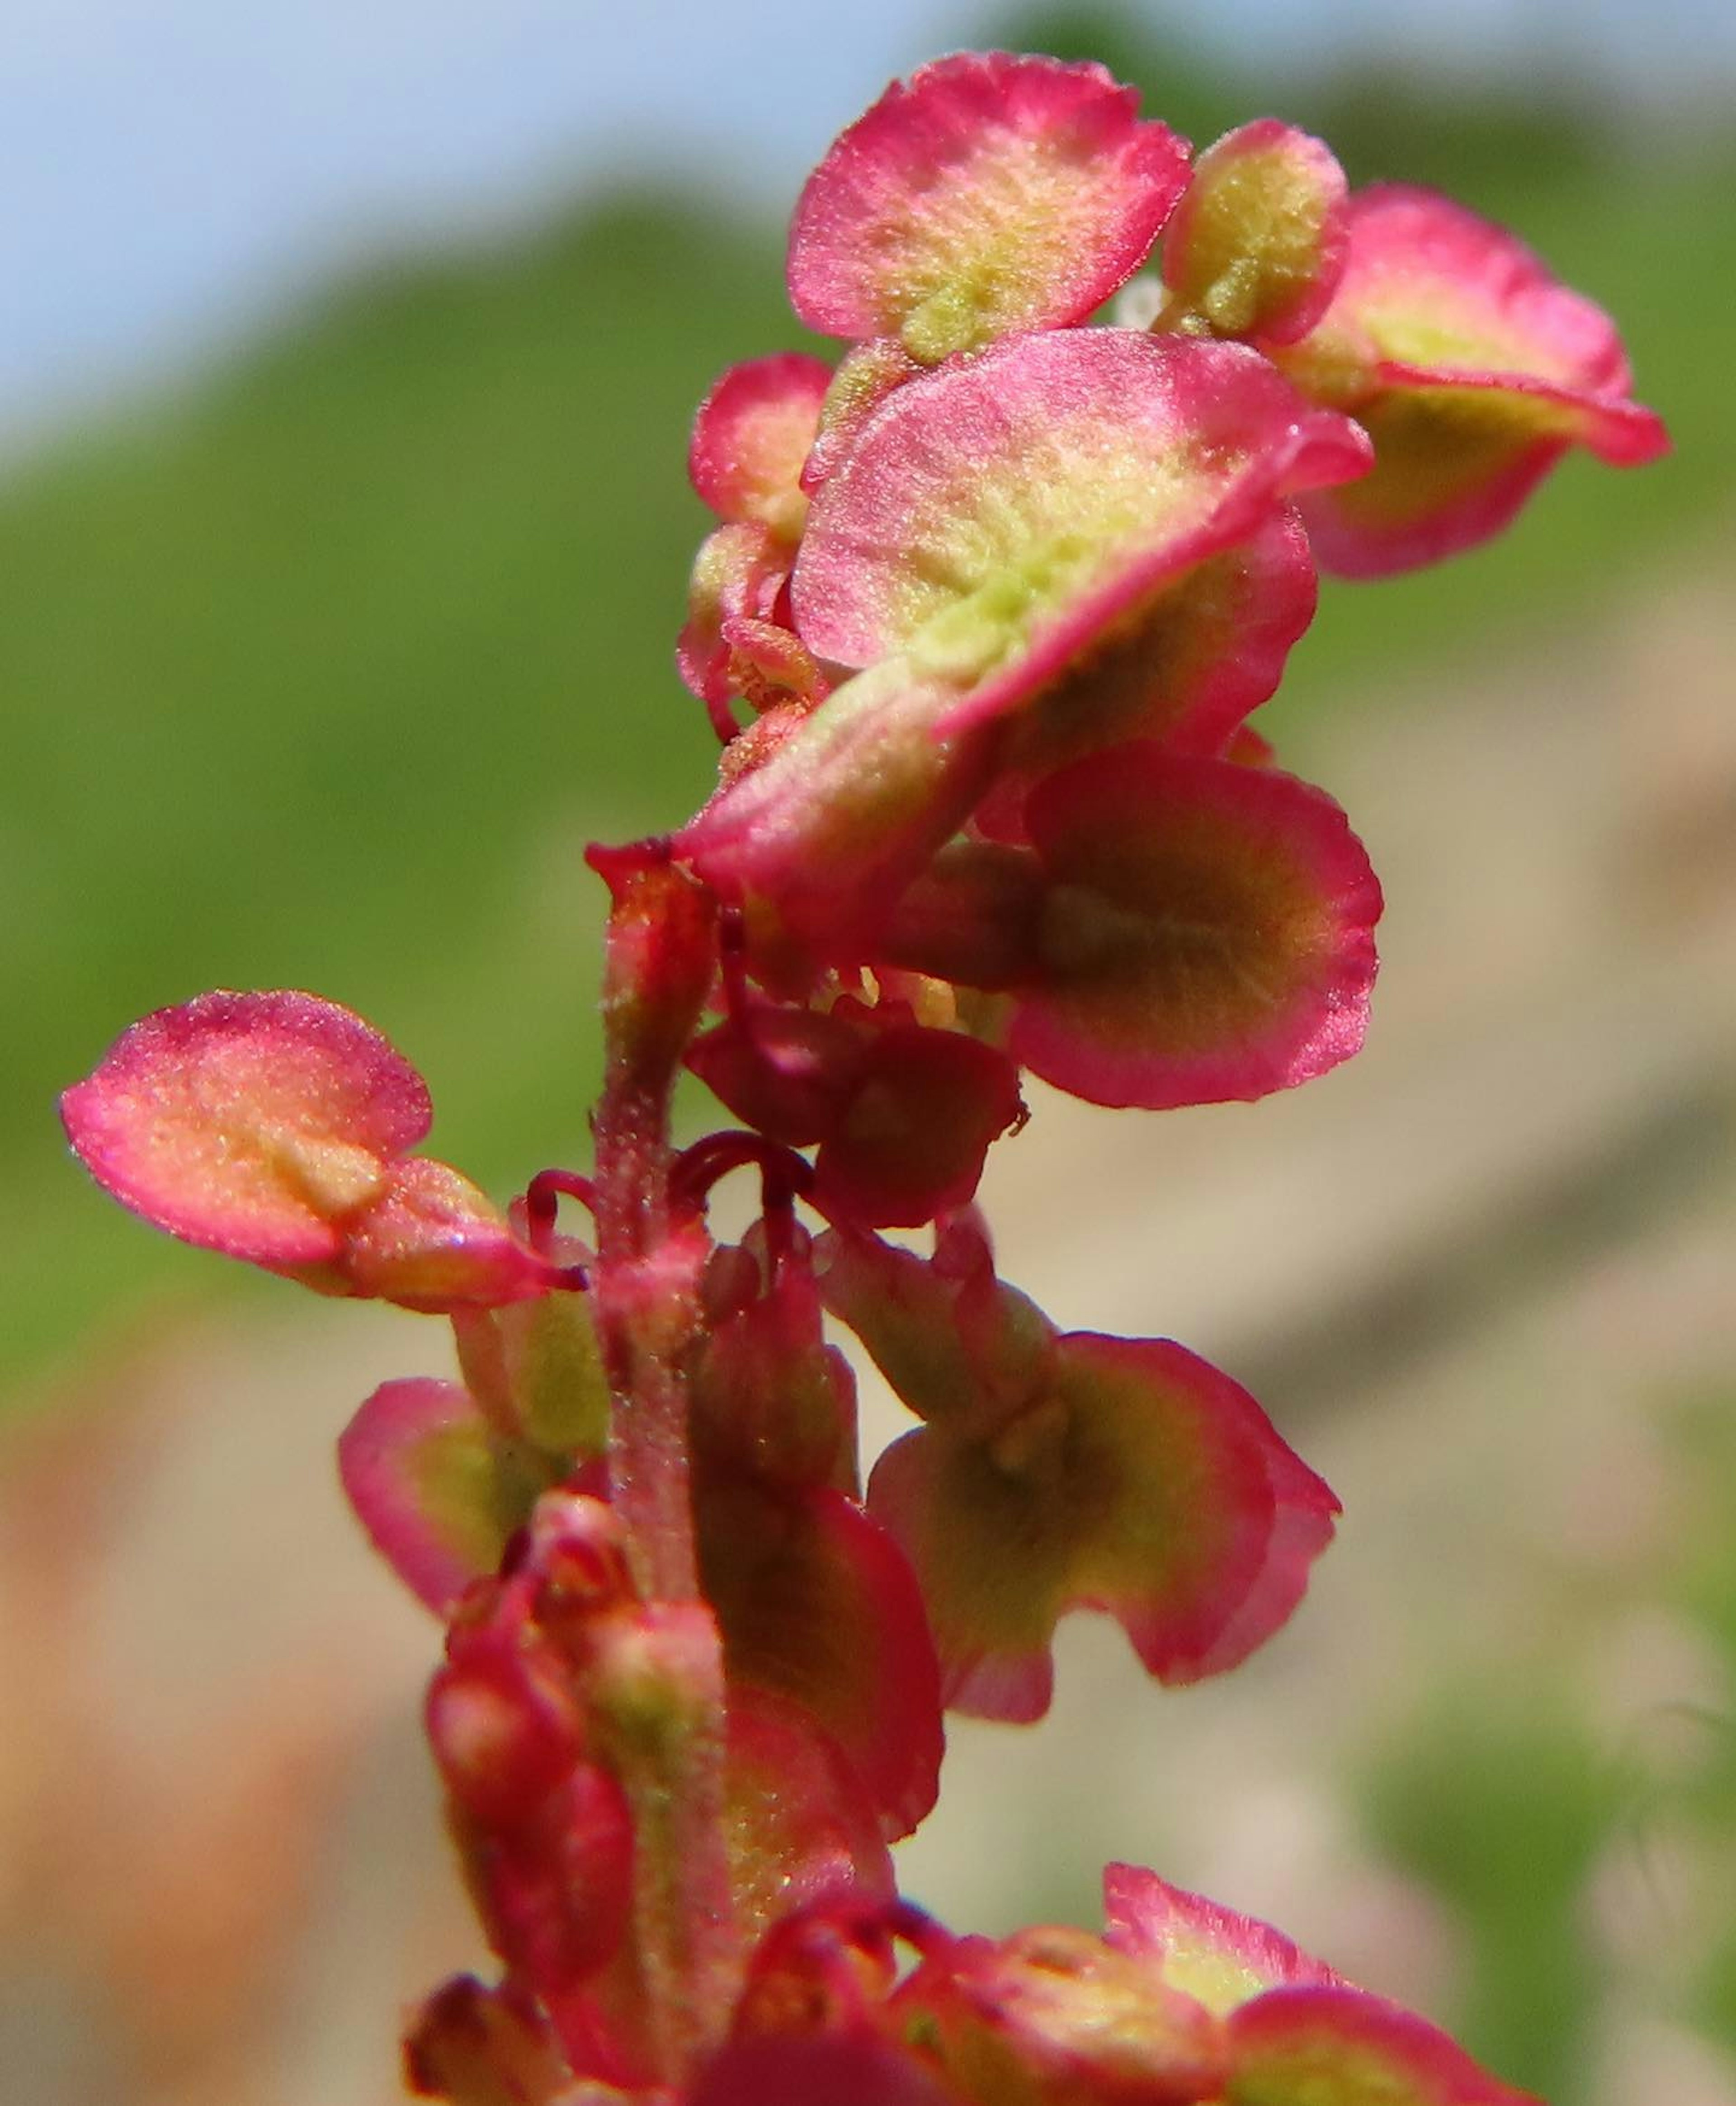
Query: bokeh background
x,y
346,365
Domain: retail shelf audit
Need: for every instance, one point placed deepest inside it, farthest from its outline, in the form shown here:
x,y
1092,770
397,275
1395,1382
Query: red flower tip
x,y
987,194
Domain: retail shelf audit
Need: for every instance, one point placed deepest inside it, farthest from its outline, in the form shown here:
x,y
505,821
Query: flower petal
x,y
437,1491
1058,2018
1142,1481
987,193
1472,368
1298,2046
432,1241
799,1827
253,1124
818,1605
846,808
1206,932
752,437
997,520
1207,1951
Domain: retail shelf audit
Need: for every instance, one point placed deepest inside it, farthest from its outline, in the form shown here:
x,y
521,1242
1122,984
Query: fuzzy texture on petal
x,y
864,379
1257,244
1308,2046
1472,368
438,1491
799,1825
1053,2017
752,437
1207,1951
1140,1481
253,1124
1206,932
1205,652
999,521
987,193
818,1605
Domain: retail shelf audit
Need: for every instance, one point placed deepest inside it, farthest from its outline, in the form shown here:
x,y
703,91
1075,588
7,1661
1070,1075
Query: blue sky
x,y
171,169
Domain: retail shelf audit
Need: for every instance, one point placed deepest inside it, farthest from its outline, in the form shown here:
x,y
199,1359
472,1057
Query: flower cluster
x,y
981,625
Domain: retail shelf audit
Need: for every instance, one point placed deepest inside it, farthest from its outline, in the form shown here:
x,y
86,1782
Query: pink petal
x,y
958,1346
1257,244
997,518
1293,2046
752,437
864,379
801,1829
438,1494
1472,368
1055,2014
1207,650
1207,934
1140,1481
738,573
986,194
253,1124
1207,1951
819,1606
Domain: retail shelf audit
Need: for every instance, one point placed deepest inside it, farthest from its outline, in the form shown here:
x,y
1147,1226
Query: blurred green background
x,y
321,668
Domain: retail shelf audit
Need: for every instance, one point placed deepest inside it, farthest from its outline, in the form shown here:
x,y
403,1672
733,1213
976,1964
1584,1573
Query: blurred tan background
x,y
343,402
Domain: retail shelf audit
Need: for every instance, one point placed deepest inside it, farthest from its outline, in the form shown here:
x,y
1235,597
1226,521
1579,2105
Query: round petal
x,y
437,1491
997,521
254,1124
1141,1482
926,1107
1472,368
986,194
752,437
1206,933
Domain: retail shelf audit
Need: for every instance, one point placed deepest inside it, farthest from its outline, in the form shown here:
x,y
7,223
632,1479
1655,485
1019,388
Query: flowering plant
x,y
980,628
